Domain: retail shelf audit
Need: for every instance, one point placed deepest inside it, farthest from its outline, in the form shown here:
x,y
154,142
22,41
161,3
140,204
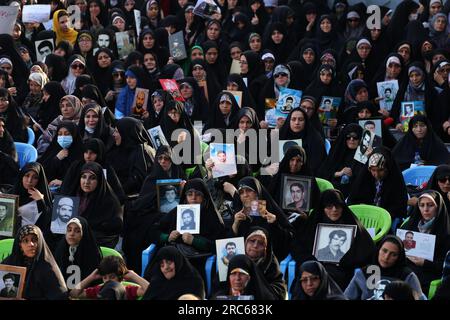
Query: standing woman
x,y
93,125
102,69
43,280
15,123
195,103
223,113
158,101
77,67
49,109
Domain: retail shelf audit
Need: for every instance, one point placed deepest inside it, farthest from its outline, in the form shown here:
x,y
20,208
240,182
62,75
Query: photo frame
x,y
364,145
332,241
295,192
140,101
43,48
12,281
188,218
64,209
168,194
171,86
269,113
376,126
9,203
284,145
157,137
225,250
224,158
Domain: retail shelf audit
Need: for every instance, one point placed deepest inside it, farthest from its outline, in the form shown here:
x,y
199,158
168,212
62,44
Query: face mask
x,y
413,16
65,141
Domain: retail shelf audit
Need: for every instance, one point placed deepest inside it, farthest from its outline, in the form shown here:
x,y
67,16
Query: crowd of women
x,y
93,144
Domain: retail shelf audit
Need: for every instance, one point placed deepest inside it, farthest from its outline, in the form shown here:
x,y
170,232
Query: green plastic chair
x,y
324,184
434,285
373,217
109,252
5,248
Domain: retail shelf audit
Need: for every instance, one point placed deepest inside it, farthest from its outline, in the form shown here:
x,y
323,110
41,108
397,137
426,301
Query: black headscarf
x,y
441,171
318,89
198,100
216,118
87,255
432,150
49,109
297,55
312,142
102,76
15,123
7,145
57,67
102,130
213,86
329,40
186,279
43,278
154,118
328,288
396,29
255,67
247,98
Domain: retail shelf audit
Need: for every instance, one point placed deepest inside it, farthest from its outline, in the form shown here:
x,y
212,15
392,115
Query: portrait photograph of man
x,y
8,204
188,218
64,209
227,249
43,49
169,197
296,193
12,280
10,290
333,242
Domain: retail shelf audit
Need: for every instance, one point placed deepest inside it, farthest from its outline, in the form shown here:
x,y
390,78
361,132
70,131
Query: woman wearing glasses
x,y
77,67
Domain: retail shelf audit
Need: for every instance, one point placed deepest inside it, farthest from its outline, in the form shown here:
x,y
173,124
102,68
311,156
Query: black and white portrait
x,y
64,209
8,207
157,137
378,291
296,193
168,196
12,280
44,48
365,147
333,241
374,125
408,110
188,218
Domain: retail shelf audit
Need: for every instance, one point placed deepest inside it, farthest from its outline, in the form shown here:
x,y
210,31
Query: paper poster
x,y
410,109
235,67
206,8
44,48
237,95
374,125
137,21
284,145
365,147
176,46
227,249
36,13
387,90
188,218
157,137
224,158
171,86
417,244
288,100
328,108
125,43
270,112
8,15
64,209
140,101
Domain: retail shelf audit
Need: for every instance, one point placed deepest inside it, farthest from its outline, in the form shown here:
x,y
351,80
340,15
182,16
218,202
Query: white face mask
x,y
413,16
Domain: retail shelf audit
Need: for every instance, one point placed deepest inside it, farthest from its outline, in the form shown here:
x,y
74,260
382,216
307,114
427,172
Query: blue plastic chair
x,y
31,135
327,146
291,275
418,175
26,153
147,256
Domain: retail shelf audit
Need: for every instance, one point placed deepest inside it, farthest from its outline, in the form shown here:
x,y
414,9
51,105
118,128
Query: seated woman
x,y
98,204
272,218
35,199
315,284
440,182
93,125
78,248
390,259
420,145
155,110
44,280
340,168
172,275
9,110
245,278
9,169
381,184
430,216
333,210
223,112
65,148
132,155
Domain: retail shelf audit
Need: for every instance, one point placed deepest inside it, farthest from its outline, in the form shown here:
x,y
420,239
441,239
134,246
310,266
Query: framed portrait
x,y
44,48
188,218
140,101
375,126
64,209
168,194
12,281
296,192
8,214
284,145
332,241
417,244
361,154
227,249
224,158
157,137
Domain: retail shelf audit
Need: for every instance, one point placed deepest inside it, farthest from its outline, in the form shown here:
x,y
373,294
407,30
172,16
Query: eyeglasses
x,y
77,66
444,179
3,99
309,279
161,158
282,74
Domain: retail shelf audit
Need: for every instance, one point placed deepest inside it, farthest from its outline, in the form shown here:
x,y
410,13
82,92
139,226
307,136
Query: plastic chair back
x,y
31,135
109,252
418,175
324,184
327,146
373,217
147,256
26,153
434,285
5,248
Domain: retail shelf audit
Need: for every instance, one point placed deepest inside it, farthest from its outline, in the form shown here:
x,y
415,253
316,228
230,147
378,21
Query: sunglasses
x,y
77,66
352,137
161,158
282,74
444,179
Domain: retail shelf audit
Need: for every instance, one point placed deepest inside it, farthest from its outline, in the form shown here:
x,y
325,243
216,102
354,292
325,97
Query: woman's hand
x,y
229,188
347,171
399,127
187,238
35,194
255,20
264,124
417,261
384,112
64,153
174,235
110,95
270,217
209,164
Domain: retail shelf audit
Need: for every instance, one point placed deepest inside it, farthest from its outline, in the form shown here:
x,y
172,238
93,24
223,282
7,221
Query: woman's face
x,y
64,23
85,44
94,9
375,34
235,53
325,25
117,137
427,208
152,12
440,24
244,64
7,67
165,162
255,247
2,129
405,52
189,15
149,61
232,86
4,103
255,44
213,32
67,110
247,195
211,55
393,70
352,141
158,104
148,41
63,132
444,184
244,124
333,212
30,180
297,122
91,119
132,82
388,254
364,114
198,73
17,32
197,54
104,60
88,182
362,95
277,36
2,81
174,115
420,130
364,50
295,164
310,283
35,88
325,76
238,281
77,68
29,246
281,79
308,106
90,156
186,91
194,197
416,78
73,234
119,23
435,8
225,107
167,268
308,56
